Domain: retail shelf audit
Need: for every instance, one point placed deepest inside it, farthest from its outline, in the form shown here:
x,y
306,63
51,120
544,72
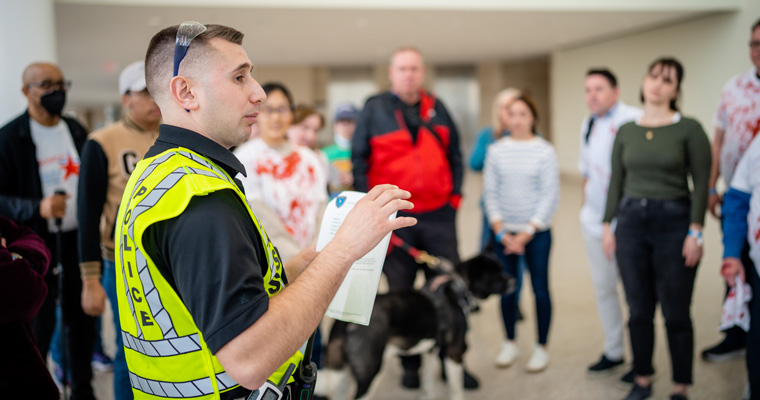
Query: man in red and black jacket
x,y
407,138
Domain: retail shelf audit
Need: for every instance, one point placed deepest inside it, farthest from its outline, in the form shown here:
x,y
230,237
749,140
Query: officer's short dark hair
x,y
159,59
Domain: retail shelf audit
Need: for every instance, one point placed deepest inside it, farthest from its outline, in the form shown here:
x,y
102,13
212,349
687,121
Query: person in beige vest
x,y
108,159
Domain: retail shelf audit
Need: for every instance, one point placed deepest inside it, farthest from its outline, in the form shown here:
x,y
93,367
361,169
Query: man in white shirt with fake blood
x,y
741,229
737,122
598,132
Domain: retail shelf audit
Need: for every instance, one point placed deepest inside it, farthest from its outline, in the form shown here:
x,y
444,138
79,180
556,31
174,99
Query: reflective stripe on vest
x,y
162,348
181,390
165,350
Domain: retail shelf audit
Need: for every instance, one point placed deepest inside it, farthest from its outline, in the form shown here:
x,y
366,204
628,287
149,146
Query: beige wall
x,y
531,76
304,82
712,50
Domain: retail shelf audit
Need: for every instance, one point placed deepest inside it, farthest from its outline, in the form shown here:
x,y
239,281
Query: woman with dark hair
x,y
658,240
286,186
521,181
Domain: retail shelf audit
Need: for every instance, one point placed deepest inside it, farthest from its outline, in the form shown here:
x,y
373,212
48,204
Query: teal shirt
x,y
655,163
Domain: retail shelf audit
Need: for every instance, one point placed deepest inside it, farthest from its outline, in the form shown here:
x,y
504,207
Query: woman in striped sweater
x,y
521,185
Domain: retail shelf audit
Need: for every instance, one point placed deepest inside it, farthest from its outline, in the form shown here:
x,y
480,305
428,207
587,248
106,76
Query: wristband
x,y
500,235
697,235
89,270
712,191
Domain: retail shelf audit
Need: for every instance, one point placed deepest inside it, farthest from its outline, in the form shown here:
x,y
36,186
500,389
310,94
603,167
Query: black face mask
x,y
53,102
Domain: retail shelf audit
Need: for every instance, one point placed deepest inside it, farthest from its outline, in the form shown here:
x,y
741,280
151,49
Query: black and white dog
x,y
426,322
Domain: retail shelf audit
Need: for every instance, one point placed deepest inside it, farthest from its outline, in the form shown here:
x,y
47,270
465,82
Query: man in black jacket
x,y
406,137
39,166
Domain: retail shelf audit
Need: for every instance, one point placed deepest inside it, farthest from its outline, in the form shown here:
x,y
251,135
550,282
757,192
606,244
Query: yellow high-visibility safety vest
x,y
165,351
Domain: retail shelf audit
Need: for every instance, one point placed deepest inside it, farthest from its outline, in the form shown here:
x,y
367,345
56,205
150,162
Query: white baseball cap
x,y
132,78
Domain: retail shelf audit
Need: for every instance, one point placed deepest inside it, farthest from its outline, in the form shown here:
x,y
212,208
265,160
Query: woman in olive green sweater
x,y
658,239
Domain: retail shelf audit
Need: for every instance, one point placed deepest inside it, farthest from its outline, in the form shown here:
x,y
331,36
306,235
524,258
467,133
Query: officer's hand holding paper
x,y
356,296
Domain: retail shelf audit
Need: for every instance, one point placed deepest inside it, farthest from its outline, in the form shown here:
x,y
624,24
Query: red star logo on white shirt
x,y
70,168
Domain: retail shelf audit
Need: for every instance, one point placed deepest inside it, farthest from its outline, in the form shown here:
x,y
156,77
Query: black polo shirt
x,y
211,254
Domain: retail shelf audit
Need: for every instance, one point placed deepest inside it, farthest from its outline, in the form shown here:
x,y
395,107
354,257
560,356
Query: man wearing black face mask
x,y
39,158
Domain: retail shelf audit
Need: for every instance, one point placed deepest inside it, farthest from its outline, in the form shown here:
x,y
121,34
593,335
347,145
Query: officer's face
x,y
229,98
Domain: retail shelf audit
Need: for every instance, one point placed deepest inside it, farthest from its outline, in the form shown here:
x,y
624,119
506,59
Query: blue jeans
x,y
122,388
537,261
487,239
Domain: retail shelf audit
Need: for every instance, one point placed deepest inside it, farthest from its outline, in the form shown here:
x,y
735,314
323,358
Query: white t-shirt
x,y
747,179
292,183
594,162
58,163
738,115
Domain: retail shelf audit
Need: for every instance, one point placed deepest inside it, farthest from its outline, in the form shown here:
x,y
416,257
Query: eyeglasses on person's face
x,y
48,85
282,110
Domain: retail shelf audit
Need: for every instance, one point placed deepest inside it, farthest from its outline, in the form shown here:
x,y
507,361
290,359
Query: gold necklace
x,y
649,135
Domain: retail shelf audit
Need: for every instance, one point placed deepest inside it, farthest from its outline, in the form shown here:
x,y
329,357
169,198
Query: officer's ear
x,y
183,93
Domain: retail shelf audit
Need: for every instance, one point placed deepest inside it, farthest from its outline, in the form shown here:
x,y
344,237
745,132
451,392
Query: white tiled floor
x,y
575,338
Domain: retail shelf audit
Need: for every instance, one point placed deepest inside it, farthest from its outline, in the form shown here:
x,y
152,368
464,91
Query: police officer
x,y
203,302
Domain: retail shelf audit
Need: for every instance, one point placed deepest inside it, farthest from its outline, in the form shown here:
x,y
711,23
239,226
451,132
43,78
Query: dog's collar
x,y
465,299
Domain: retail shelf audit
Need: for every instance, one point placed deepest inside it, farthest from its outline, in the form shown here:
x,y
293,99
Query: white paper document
x,y
356,296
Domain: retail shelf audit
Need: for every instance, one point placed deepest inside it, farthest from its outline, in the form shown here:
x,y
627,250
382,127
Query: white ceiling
x,y
95,41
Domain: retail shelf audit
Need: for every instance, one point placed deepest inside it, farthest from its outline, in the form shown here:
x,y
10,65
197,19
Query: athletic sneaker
x,y
604,366
507,355
639,393
101,362
726,350
539,360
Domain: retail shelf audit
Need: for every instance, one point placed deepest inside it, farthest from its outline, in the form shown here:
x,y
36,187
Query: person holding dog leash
x,y
203,303
406,137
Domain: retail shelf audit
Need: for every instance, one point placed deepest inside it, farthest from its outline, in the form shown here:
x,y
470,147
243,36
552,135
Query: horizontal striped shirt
x,y
521,183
